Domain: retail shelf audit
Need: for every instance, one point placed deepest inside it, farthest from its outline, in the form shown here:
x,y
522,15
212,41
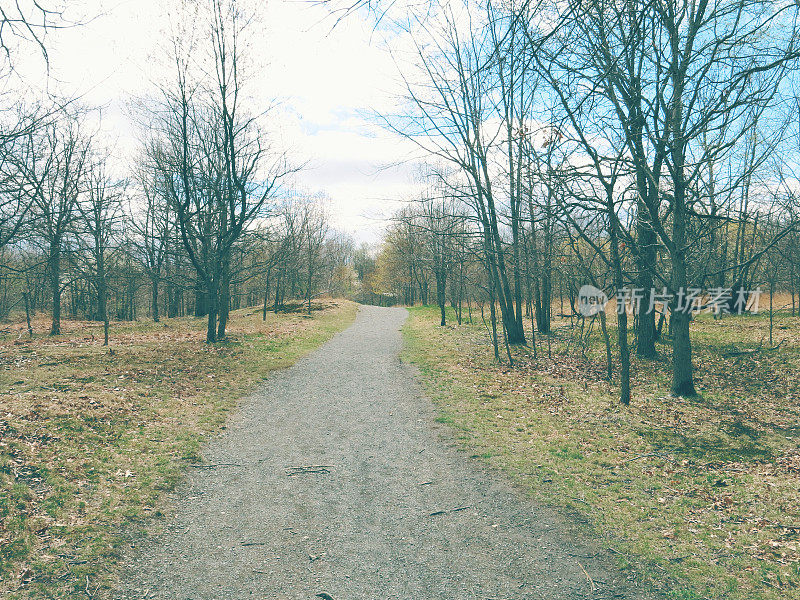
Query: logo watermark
x,y
690,300
591,300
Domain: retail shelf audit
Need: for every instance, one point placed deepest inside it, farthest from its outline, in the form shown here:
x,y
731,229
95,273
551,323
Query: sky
x,y
327,83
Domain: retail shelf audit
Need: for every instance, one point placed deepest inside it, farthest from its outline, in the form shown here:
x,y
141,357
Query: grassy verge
x,y
700,496
91,438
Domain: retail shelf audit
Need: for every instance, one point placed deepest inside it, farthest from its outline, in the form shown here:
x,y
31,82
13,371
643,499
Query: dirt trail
x,y
399,514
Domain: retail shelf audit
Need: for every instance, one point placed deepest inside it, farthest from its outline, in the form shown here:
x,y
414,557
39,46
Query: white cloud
x,y
324,78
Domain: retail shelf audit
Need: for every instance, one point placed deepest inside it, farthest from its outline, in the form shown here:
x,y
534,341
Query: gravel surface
x,y
394,511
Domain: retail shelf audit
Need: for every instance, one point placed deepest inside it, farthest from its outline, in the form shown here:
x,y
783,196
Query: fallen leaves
x,y
89,440
714,480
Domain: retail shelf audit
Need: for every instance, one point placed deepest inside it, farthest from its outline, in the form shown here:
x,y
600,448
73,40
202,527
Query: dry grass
x,y
701,495
91,438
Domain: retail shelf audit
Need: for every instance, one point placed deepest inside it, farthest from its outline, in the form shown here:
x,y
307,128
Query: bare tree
x,y
51,171
99,229
152,227
665,76
314,231
27,22
452,109
212,154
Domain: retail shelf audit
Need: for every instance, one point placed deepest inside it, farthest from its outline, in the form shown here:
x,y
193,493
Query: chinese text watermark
x,y
690,300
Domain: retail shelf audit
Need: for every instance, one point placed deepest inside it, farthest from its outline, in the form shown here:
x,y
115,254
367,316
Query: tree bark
x,y
211,330
154,291
266,293
54,267
224,305
26,298
646,322
441,297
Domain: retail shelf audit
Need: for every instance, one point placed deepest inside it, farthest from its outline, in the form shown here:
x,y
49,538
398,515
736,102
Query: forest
x,y
645,149
202,222
556,150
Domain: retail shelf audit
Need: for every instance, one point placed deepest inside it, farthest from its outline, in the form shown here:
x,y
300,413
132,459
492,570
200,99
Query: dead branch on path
x,y
448,511
307,469
591,581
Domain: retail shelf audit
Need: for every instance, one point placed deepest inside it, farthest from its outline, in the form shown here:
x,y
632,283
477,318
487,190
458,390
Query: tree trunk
x,y
515,233
54,267
622,316
545,299
28,313
102,295
493,319
682,372
682,377
154,290
211,330
266,294
513,331
646,319
441,295
276,304
771,312
224,306
200,301
624,359
542,316
309,282
607,341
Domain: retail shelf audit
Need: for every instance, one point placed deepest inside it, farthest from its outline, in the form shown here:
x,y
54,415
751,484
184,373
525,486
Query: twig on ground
x,y
680,558
591,581
88,593
451,510
303,470
648,455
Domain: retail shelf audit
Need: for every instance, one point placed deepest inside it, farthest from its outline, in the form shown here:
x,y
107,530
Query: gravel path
x,y
400,514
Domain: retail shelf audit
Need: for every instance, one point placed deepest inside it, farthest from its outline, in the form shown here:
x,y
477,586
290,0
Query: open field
x,y
91,438
700,496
